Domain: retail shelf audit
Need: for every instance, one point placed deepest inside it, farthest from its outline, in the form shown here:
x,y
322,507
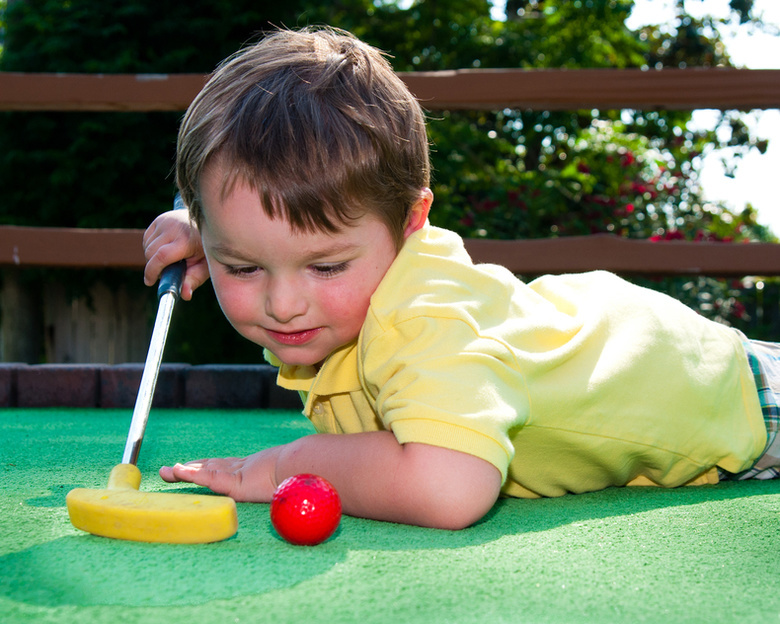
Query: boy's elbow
x,y
458,495
455,514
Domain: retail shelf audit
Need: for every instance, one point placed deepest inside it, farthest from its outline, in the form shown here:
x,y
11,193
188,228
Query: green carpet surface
x,y
705,554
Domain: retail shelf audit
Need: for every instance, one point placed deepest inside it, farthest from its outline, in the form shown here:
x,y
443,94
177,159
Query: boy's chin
x,y
299,359
311,355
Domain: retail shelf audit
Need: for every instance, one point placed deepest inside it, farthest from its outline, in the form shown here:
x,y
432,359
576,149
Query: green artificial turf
x,y
708,554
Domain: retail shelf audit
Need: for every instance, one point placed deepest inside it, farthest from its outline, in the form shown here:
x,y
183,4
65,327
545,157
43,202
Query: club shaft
x,y
143,402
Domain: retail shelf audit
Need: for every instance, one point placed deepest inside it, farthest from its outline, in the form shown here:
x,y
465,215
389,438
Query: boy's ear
x,y
419,212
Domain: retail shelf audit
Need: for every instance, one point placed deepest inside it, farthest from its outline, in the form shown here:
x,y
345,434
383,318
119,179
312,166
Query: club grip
x,y
171,279
178,203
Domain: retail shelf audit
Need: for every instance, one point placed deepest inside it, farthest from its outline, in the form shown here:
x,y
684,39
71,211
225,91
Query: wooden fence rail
x,y
108,331
471,89
114,248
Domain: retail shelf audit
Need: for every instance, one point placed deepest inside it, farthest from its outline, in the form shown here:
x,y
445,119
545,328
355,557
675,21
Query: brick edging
x,y
178,385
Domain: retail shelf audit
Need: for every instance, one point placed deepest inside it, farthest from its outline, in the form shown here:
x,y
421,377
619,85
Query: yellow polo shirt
x,y
569,383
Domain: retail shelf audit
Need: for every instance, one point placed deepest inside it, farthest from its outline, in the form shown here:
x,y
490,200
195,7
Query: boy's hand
x,y
245,479
172,237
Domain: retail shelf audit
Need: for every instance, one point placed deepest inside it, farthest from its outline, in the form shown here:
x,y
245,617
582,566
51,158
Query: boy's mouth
x,y
294,338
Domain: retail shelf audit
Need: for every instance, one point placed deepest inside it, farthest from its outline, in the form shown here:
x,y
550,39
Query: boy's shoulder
x,y
433,275
431,242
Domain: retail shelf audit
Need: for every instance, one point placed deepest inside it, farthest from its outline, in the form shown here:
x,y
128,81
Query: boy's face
x,y
299,294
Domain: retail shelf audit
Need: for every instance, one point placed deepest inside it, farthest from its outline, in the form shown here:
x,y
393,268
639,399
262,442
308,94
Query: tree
x,y
629,172
105,169
498,174
521,174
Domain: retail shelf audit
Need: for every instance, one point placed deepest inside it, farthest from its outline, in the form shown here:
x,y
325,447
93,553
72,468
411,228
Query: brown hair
x,y
318,123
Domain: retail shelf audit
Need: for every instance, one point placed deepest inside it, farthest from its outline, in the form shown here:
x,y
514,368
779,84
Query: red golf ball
x,y
305,510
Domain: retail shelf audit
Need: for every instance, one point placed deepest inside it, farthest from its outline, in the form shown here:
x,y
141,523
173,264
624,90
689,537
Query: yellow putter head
x,y
122,512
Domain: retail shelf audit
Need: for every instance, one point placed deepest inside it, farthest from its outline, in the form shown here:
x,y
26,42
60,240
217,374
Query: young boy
x,y
436,384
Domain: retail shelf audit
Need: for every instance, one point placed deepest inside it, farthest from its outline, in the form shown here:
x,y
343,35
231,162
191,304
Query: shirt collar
x,y
337,375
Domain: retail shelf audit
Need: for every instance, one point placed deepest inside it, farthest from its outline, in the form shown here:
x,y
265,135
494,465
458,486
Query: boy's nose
x,y
284,302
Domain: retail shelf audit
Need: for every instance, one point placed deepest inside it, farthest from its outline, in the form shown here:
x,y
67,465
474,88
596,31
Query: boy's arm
x,y
375,476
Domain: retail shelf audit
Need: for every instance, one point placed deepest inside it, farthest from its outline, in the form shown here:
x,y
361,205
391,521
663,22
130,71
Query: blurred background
x,y
506,174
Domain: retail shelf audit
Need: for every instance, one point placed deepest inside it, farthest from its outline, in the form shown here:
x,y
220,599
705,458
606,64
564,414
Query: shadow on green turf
x,y
518,517
55,499
87,570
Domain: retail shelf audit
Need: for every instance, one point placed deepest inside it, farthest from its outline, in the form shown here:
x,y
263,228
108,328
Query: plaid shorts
x,y
764,358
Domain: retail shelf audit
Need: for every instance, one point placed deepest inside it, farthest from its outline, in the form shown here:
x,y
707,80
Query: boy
x,y
436,385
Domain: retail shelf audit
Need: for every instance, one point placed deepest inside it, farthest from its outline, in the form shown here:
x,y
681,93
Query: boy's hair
x,y
318,123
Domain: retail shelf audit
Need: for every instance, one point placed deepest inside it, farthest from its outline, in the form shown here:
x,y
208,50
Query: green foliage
x,y
107,169
2,25
497,174
129,36
526,174
114,169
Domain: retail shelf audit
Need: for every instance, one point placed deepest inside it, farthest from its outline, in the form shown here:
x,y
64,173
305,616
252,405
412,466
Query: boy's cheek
x,y
232,301
349,318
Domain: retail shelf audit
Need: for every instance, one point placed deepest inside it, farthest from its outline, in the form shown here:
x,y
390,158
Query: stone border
x,y
178,385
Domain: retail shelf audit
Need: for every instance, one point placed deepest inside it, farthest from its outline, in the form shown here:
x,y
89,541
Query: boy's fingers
x,y
152,271
180,472
154,268
166,474
217,475
197,269
159,253
197,274
149,234
168,239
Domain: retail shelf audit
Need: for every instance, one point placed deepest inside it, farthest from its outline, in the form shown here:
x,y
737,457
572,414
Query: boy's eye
x,y
241,271
327,270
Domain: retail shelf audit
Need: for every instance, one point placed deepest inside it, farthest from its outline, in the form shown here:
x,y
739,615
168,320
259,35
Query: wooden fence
x,y
465,89
487,89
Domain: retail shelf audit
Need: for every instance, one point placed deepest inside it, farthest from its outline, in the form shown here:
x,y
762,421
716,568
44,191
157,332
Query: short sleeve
x,y
436,381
